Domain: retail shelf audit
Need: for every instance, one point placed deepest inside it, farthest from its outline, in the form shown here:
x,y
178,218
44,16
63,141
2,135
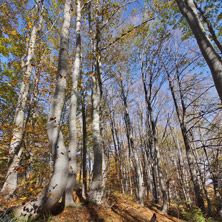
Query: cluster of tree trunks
x,y
146,163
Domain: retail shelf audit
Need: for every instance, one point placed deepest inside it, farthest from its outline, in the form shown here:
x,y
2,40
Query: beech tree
x,y
151,72
72,117
133,109
15,150
210,53
50,196
182,117
131,145
97,187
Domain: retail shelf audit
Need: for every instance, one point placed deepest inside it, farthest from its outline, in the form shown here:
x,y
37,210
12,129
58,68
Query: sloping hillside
x,y
118,208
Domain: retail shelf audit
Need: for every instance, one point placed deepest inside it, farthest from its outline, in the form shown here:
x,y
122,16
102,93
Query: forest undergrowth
x,y
116,208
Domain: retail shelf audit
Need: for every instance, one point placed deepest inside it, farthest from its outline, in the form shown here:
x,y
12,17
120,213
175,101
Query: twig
x,y
125,33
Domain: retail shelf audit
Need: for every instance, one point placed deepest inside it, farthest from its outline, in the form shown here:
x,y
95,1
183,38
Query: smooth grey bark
x,y
68,196
189,11
92,49
97,187
154,181
84,153
56,187
15,149
102,134
31,115
162,183
210,27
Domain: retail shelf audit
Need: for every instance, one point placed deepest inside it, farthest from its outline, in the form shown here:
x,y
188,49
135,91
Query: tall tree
x,y
133,152
97,187
51,195
150,72
72,116
15,149
84,144
189,10
181,115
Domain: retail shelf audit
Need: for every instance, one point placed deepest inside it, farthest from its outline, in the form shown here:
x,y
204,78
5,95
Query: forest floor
x,y
117,208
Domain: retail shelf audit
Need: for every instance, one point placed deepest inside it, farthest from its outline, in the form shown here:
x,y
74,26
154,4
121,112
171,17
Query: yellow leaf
x,y
23,198
23,182
14,82
13,32
30,24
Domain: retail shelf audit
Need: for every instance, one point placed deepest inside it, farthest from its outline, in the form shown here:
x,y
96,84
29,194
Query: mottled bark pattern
x,y
15,149
51,195
97,187
72,116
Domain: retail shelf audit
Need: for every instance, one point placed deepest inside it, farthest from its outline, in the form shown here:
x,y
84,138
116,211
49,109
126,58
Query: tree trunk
x,y
153,134
215,180
84,153
178,164
68,196
217,195
189,11
117,156
97,187
162,183
155,183
132,149
189,154
182,172
209,205
15,149
54,191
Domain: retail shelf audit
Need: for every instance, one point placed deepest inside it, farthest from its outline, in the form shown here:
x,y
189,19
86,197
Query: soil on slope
x,y
118,208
